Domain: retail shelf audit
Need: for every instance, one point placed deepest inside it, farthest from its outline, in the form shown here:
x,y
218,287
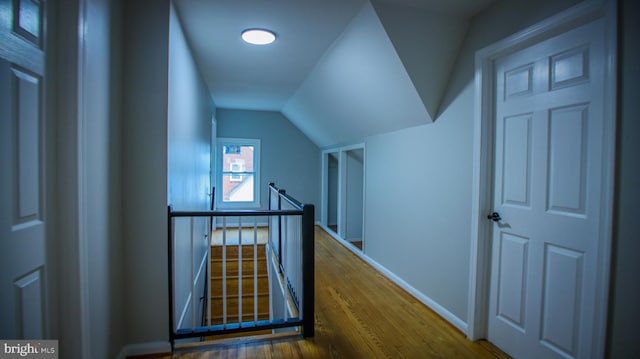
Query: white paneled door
x,y
22,176
547,193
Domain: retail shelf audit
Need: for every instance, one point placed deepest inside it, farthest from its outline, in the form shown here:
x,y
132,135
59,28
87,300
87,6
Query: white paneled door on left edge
x,y
23,309
547,190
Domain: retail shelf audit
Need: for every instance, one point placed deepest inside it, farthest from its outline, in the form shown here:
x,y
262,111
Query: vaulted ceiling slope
x,y
249,77
340,70
428,42
358,88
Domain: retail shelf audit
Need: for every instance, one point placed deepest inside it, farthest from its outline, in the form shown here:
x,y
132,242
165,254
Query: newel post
x,y
308,278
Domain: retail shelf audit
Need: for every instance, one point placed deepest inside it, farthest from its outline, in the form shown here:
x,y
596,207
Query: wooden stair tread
x,y
244,276
234,267
232,250
244,259
244,296
245,266
235,298
234,318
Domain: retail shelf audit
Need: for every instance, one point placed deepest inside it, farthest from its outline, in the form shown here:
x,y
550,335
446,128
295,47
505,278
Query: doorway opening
x,y
343,194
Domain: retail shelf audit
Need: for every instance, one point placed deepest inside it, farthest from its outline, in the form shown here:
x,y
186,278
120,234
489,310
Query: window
x,y
239,177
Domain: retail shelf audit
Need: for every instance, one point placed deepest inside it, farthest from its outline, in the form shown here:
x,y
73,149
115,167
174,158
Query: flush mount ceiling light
x,y
258,36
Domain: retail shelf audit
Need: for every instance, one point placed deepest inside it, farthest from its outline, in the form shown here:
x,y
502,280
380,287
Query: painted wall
x,y
288,158
420,37
144,180
190,111
102,165
624,311
420,228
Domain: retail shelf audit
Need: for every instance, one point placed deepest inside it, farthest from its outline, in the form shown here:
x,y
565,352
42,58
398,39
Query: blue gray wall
x,y
419,227
288,158
189,115
144,169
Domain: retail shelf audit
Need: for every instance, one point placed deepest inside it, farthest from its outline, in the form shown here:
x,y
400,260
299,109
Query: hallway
x,y
359,314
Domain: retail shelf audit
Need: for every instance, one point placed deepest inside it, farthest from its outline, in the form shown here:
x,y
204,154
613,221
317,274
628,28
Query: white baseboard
x,y
439,309
144,348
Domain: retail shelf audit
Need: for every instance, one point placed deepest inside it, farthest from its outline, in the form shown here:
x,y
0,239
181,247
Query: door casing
x,y
483,158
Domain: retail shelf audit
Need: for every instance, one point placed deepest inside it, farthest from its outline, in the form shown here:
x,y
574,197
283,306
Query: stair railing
x,y
286,235
291,241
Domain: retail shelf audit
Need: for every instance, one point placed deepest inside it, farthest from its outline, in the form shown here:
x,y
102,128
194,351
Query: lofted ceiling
x,y
339,70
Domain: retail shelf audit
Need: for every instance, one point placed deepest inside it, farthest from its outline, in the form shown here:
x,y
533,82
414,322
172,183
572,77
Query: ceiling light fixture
x,y
258,36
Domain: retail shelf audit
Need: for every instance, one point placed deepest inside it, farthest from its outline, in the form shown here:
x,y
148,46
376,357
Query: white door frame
x,y
342,175
324,193
71,113
482,191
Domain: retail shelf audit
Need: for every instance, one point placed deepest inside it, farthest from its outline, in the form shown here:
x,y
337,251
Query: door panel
x,y
22,182
547,186
570,68
516,165
562,299
30,305
568,145
512,280
26,95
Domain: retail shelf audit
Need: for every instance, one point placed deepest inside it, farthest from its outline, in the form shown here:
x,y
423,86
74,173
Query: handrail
x,y
303,236
235,213
294,202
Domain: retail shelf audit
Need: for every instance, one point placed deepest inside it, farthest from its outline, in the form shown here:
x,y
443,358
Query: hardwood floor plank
x,y
359,314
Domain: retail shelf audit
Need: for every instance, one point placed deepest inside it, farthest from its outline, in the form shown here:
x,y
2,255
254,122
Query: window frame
x,y
220,143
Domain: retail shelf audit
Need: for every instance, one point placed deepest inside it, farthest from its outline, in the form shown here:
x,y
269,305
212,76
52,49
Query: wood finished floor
x,y
359,314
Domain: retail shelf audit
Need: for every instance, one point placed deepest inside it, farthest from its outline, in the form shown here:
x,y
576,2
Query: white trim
x,y
71,267
70,123
83,251
364,198
342,179
483,159
144,349
421,297
282,290
342,194
608,175
324,200
256,143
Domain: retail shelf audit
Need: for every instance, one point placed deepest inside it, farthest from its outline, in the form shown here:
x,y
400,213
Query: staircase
x,y
233,265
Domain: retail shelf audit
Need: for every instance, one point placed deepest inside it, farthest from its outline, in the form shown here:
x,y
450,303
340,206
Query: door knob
x,y
495,216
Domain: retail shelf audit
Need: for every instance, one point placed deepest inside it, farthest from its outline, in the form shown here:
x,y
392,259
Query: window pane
x,y
237,158
237,187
